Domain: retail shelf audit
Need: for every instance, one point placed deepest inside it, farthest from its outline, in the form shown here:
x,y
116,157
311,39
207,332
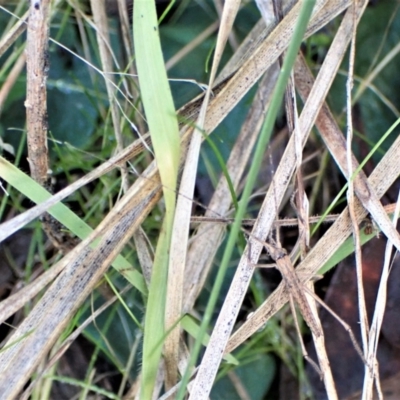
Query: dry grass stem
x,y
36,100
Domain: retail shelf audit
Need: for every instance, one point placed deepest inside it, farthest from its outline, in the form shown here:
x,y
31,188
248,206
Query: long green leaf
x,y
163,124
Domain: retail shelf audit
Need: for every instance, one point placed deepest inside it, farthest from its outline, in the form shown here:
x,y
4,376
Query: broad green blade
x,y
164,130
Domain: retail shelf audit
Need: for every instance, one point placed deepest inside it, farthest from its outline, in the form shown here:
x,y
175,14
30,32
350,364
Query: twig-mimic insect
x,y
294,286
297,291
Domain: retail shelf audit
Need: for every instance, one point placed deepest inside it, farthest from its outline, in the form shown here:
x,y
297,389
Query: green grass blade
x,y
163,124
37,194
